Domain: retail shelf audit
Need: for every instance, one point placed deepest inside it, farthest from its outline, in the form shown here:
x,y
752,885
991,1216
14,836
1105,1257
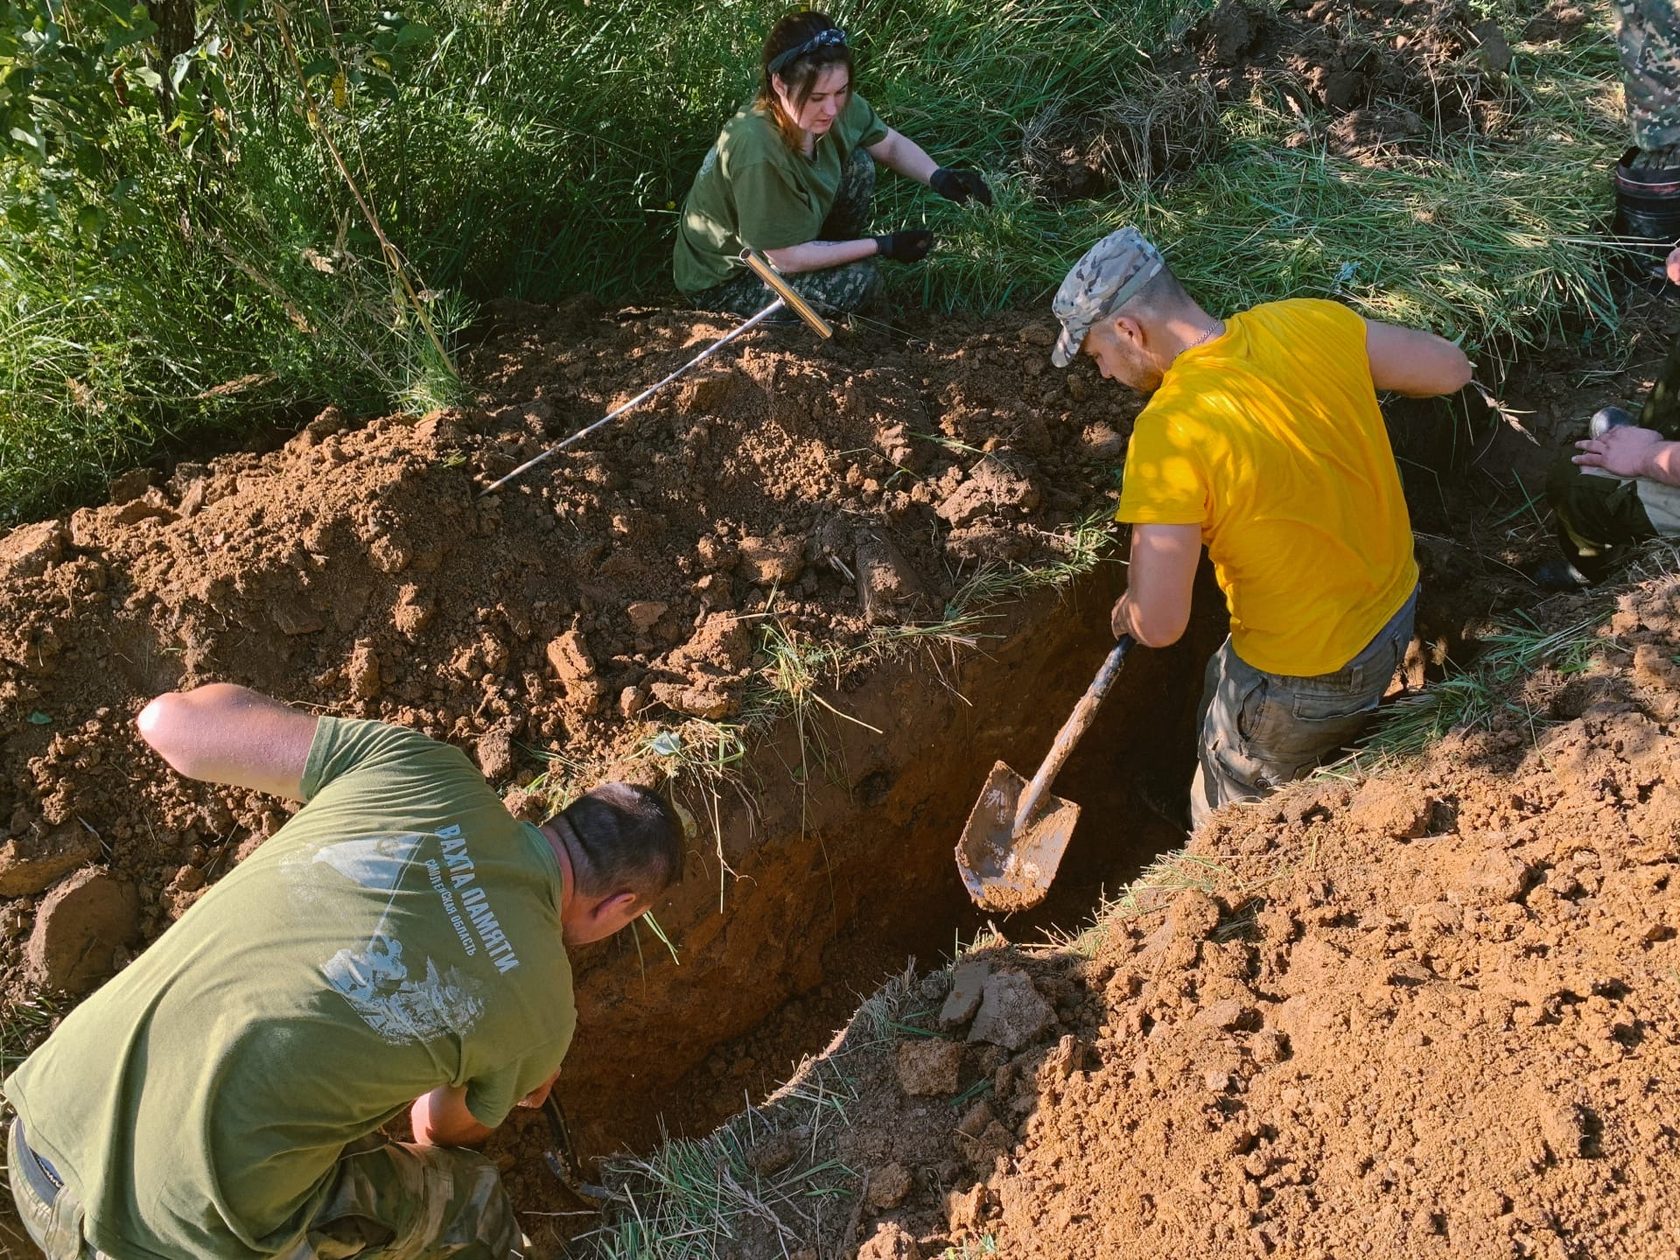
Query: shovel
x,y
1017,832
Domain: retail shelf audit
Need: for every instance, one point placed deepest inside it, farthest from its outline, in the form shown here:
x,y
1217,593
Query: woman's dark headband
x,y
833,37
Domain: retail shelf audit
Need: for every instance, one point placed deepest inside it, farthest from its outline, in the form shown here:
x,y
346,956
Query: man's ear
x,y
622,905
1129,330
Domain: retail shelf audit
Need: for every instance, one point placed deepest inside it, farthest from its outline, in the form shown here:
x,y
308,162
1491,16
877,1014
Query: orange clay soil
x,y
1435,1012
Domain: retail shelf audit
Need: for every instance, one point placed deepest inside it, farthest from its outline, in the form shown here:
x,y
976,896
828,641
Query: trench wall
x,y
838,835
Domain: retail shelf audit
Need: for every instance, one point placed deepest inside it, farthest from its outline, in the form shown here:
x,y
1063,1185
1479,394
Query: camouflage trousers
x,y
833,290
387,1201
1648,38
1597,512
1261,730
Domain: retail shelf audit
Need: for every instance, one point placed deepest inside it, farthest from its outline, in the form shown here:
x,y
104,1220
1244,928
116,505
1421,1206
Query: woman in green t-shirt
x,y
792,175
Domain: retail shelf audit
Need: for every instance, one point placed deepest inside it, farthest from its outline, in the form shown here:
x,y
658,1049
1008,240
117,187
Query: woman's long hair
x,y
801,74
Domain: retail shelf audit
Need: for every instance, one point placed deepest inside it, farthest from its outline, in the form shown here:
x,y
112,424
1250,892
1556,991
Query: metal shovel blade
x,y
1005,870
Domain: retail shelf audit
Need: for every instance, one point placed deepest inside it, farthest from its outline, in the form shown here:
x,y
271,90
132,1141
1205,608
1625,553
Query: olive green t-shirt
x,y
752,191
401,932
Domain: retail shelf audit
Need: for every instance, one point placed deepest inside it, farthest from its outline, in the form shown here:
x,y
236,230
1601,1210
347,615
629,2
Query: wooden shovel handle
x,y
764,271
1071,730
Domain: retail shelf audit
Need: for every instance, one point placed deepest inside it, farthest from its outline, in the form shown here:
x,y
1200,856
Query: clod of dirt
x,y
361,672
704,700
30,550
1269,1046
891,590
997,483
1495,877
1231,31
1012,1012
1177,942
31,862
1227,1014
496,756
929,1067
1561,19
644,614
574,669
1070,1055
1565,1127
78,929
890,1242
1101,441
772,561
888,1185
968,983
777,1151
965,1210
1391,809
1495,48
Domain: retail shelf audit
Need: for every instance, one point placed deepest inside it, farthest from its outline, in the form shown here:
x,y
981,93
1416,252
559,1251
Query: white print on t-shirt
x,y
475,902
377,980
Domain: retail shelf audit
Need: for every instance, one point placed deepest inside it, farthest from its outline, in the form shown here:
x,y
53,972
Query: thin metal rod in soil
x,y
786,299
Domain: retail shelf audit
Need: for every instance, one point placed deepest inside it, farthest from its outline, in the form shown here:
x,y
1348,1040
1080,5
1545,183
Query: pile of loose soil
x,y
824,493
1436,1011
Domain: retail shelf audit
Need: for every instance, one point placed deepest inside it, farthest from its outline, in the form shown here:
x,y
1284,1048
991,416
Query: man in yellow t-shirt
x,y
1262,442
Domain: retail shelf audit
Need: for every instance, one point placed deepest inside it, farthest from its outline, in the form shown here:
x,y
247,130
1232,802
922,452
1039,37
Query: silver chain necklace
x,y
1218,326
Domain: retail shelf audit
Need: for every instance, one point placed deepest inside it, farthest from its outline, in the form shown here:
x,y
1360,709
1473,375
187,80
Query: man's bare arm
x,y
441,1118
1156,606
1415,363
221,733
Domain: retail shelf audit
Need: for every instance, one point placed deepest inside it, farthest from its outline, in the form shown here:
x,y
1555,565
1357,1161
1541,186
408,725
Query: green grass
x,y
24,1024
696,1199
538,148
1472,698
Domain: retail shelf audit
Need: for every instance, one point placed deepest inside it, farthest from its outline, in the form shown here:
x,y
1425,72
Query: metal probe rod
x,y
642,397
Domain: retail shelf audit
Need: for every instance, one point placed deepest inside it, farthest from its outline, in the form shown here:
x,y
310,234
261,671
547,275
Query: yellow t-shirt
x,y
1270,439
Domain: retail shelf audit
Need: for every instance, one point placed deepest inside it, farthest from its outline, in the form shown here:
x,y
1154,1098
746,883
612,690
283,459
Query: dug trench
x,y
885,515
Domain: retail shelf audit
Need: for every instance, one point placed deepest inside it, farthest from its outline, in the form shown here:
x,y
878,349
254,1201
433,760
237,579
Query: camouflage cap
x,y
1106,278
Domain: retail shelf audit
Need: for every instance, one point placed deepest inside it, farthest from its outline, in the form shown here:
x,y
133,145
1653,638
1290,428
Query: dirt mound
x,y
1364,79
817,494
1432,1012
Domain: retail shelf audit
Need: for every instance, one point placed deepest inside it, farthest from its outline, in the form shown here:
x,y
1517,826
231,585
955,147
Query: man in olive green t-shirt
x,y
399,945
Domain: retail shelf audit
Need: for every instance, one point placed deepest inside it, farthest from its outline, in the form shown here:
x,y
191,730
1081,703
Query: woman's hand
x,y
1674,267
907,246
1624,451
960,186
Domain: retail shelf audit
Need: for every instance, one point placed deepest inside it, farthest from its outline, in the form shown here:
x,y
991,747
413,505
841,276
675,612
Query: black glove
x,y
960,186
910,245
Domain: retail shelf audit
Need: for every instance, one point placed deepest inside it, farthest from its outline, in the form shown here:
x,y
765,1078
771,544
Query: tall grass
x,y
534,148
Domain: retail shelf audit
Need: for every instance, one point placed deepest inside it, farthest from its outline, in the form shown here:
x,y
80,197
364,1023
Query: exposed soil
x,y
829,494
1435,1012
821,494
1365,79
511,626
